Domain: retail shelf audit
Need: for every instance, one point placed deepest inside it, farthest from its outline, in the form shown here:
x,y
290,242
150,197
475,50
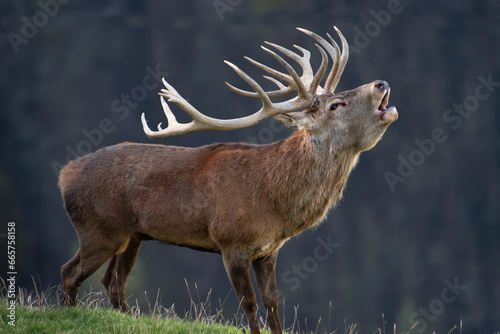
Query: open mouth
x,y
383,104
387,115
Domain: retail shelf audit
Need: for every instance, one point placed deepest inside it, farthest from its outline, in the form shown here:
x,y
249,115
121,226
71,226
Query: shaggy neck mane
x,y
305,178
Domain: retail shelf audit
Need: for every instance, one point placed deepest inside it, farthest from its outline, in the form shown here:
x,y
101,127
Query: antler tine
x,y
335,67
321,71
341,63
175,128
333,50
303,61
283,91
272,71
277,83
258,89
173,125
301,89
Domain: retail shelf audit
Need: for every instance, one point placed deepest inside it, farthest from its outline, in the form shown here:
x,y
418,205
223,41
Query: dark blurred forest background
x,y
417,235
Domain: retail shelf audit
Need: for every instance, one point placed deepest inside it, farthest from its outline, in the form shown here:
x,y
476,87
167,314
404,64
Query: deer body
x,y
179,195
242,201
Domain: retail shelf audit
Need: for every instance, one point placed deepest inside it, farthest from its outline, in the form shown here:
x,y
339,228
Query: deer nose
x,y
382,85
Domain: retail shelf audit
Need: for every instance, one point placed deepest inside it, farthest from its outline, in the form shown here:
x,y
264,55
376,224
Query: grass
x,y
100,320
43,312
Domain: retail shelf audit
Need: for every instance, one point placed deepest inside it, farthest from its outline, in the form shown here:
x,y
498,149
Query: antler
x,y
306,86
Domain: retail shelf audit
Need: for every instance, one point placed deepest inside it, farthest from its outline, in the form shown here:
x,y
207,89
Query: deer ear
x,y
297,120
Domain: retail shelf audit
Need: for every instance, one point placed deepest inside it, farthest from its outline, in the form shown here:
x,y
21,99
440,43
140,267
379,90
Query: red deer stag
x,y
241,201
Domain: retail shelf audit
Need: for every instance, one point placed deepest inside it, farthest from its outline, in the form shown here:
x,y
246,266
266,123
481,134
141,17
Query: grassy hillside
x,y
99,320
42,312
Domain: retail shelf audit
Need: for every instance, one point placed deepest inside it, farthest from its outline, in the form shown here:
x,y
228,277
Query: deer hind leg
x,y
90,257
238,270
265,276
117,272
69,281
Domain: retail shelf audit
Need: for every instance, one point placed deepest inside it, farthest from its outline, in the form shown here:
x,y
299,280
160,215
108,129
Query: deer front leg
x,y
265,275
238,269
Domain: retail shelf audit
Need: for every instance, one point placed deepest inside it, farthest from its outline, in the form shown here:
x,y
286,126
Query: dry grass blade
x,y
351,329
414,325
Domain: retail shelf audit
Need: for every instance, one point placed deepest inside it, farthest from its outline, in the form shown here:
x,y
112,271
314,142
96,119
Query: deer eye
x,y
334,106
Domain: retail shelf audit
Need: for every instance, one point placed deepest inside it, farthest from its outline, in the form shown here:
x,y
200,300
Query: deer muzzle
x,y
386,114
